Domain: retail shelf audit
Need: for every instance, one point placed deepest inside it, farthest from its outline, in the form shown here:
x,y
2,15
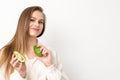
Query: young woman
x,y
31,25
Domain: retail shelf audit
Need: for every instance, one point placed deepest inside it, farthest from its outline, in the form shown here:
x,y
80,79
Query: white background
x,y
85,34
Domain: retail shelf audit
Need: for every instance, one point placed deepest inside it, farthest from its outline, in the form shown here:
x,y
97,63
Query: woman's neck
x,y
30,52
32,42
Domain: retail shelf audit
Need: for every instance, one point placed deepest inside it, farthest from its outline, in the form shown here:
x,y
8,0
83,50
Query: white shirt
x,y
36,70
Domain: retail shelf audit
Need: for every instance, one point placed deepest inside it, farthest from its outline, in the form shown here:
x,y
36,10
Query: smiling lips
x,y
36,29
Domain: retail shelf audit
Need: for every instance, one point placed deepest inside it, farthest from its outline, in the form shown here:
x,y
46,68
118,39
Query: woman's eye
x,y
41,22
32,20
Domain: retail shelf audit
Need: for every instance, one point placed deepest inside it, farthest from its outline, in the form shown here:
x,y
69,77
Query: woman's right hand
x,y
18,66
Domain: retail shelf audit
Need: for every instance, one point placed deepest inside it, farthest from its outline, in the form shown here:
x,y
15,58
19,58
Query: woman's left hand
x,y
47,56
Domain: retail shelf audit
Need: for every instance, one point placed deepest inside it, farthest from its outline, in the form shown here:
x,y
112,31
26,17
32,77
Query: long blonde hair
x,y
19,41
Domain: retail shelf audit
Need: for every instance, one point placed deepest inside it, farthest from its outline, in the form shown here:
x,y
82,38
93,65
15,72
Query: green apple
x,y
37,51
20,57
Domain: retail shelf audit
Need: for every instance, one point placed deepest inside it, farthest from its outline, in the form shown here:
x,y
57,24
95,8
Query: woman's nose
x,y
36,23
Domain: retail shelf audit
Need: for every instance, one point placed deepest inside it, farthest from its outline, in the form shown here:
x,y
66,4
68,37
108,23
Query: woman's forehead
x,y
37,15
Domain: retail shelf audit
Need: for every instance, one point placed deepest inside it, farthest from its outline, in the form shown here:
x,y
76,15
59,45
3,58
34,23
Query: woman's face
x,y
36,23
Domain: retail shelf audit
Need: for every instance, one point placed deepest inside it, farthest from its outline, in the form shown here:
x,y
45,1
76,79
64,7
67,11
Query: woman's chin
x,y
34,35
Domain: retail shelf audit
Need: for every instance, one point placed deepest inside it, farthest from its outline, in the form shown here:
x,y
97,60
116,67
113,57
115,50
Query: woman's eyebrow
x,y
33,17
36,18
